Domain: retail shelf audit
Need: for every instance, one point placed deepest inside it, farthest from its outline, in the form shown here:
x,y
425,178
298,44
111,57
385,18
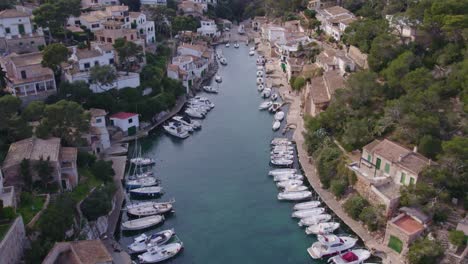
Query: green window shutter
x,y
369,157
403,178
411,180
377,164
387,168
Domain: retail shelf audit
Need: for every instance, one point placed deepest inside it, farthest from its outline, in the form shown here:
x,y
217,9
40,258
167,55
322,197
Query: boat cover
x,y
350,256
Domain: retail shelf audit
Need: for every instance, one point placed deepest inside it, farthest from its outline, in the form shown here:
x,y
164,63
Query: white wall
x,y
124,123
13,25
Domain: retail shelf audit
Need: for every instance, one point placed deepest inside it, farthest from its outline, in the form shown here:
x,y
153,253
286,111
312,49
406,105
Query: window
x,y
369,158
103,39
403,178
377,164
411,180
109,40
21,43
96,63
86,65
7,30
387,168
23,74
32,42
111,61
98,120
130,120
94,25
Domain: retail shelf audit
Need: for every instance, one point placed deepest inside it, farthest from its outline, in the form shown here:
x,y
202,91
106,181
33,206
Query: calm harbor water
x,y
226,205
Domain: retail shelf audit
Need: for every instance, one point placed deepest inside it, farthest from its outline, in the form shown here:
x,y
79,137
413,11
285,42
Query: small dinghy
x,y
251,53
259,73
142,242
142,223
322,228
276,125
142,161
260,88
223,61
279,116
228,45
264,105
328,245
313,220
286,177
150,191
152,208
295,188
308,212
259,80
274,107
285,184
236,45
210,89
218,79
306,205
274,96
282,162
354,256
294,196
142,182
266,93
160,253
281,171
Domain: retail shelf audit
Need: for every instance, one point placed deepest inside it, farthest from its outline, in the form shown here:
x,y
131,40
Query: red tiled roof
x,y
123,115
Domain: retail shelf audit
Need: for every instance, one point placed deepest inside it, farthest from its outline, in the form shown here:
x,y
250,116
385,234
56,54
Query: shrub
x,y
98,203
457,238
354,206
425,251
85,159
103,170
7,213
371,216
338,187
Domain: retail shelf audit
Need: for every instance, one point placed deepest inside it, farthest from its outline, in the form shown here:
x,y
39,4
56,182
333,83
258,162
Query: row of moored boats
x,y
270,97
315,219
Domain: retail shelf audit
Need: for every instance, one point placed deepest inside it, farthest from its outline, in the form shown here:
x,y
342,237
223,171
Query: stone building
x,y
82,251
12,244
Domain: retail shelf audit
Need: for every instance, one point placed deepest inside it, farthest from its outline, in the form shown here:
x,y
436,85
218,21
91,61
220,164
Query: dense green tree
x,y
327,161
76,91
98,203
34,111
7,4
53,55
66,120
183,23
372,218
425,251
419,79
357,133
338,187
59,214
429,146
354,206
383,49
398,69
9,107
103,170
54,14
44,170
361,33
103,75
129,53
25,172
133,5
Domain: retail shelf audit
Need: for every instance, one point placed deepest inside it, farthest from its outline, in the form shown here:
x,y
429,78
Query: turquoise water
x,y
226,206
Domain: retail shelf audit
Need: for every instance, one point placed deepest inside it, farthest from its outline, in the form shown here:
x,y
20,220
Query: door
x,y
403,178
377,164
132,130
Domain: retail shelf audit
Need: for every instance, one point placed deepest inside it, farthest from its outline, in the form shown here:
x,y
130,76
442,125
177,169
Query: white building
x,y
17,34
273,34
98,137
145,27
403,27
97,3
81,61
127,122
335,20
208,28
154,2
208,2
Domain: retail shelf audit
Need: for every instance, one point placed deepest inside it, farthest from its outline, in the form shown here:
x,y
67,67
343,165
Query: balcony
x,y
370,173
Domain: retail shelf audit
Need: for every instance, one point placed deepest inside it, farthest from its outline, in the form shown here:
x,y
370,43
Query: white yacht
x,y
306,205
285,184
281,171
186,121
285,177
279,116
282,162
308,212
142,223
264,105
259,80
322,228
294,196
266,93
260,88
150,208
228,45
142,242
316,219
328,245
282,156
355,256
281,152
276,125
176,130
157,254
275,107
251,53
142,161
295,188
194,113
259,73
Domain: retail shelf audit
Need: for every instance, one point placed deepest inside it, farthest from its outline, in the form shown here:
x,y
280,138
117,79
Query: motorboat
x,y
252,49
277,141
259,80
274,96
142,182
322,228
354,256
295,188
251,53
266,93
210,89
259,73
142,223
306,205
328,245
187,121
281,171
264,105
260,68
218,79
286,184
228,45
294,196
279,116
308,212
194,113
142,161
176,130
316,219
281,152
142,242
285,177
236,45
275,107
281,156
260,88
157,254
223,61
276,125
282,162
282,144
150,191
150,208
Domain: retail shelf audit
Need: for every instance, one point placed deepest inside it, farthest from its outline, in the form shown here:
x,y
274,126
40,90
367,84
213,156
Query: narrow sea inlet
x,y
226,208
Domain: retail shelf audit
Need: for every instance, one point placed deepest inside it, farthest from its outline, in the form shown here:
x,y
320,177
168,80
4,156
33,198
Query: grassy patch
x,y
87,182
395,244
4,229
28,208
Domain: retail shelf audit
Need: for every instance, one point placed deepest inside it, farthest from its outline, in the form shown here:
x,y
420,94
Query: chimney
x,y
400,158
415,149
